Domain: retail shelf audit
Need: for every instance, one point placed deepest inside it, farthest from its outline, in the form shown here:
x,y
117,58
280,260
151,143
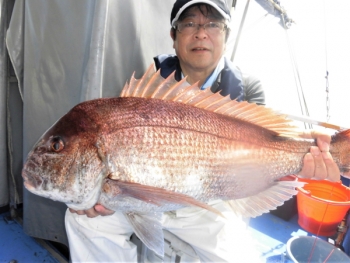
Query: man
x,y
199,32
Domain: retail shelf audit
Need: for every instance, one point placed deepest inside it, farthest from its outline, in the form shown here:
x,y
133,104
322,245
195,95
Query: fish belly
x,y
202,165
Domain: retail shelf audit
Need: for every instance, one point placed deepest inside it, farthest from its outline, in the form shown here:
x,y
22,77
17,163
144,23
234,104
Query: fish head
x,y
64,165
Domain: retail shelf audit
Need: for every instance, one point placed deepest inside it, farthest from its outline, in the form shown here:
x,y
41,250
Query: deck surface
x,y
270,233
17,247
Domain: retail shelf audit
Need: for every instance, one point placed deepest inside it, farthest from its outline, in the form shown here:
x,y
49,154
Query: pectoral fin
x,y
154,195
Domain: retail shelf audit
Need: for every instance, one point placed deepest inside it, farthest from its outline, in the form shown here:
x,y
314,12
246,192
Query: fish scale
x,y
164,145
207,147
162,155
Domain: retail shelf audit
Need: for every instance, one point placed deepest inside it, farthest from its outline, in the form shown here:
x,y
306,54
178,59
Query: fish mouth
x,y
39,186
29,186
31,173
31,181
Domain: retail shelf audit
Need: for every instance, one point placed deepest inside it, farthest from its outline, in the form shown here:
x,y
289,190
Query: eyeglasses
x,y
210,28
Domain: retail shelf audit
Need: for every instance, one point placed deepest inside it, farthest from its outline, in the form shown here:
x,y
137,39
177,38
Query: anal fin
x,y
265,201
148,228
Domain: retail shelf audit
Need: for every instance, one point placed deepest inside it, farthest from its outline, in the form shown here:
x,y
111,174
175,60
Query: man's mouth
x,y
199,49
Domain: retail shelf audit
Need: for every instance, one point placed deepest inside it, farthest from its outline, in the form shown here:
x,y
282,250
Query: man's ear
x,y
172,33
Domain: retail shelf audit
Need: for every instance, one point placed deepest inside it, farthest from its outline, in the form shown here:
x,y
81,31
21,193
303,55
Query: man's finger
x,y
79,212
91,212
308,169
320,167
103,211
332,168
323,140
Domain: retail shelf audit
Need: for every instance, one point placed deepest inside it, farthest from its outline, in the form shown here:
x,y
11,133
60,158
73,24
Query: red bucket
x,y
322,205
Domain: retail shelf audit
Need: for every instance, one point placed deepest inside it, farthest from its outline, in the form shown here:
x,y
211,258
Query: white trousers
x,y
214,239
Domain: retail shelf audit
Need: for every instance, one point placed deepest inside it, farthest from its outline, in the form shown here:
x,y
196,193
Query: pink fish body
x,y
164,145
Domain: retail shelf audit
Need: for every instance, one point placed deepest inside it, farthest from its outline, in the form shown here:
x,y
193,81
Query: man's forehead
x,y
194,11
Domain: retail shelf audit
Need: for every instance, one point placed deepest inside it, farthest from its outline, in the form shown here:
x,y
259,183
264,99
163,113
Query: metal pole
x,y
240,30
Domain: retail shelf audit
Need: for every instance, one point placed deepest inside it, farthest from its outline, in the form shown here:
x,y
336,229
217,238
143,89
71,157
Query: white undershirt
x,y
213,76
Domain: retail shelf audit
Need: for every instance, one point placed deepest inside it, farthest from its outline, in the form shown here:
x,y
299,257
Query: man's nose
x,y
200,31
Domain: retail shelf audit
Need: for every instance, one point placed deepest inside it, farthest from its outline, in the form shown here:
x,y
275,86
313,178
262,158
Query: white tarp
x,y
73,51
4,190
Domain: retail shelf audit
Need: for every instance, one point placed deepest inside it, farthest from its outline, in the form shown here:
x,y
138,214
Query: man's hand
x,y
97,210
318,163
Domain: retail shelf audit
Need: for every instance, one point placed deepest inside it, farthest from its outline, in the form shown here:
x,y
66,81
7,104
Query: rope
x,y
14,200
326,55
300,91
328,103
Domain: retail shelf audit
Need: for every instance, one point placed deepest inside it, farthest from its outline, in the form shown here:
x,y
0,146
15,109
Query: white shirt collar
x,y
213,76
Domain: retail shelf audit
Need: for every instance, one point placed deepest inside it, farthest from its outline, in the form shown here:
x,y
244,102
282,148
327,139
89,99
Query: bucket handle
x,y
304,191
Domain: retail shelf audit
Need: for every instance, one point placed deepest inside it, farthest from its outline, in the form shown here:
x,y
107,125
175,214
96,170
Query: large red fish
x,y
164,145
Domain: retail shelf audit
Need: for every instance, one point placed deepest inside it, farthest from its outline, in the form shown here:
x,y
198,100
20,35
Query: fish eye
x,y
57,144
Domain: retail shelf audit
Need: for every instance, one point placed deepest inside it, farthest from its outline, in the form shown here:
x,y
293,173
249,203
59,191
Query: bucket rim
x,y
336,184
290,241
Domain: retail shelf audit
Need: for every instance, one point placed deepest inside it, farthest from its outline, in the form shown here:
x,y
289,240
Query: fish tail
x,y
340,150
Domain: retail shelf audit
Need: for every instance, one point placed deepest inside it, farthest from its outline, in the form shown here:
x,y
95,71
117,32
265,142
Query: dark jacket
x,y
229,81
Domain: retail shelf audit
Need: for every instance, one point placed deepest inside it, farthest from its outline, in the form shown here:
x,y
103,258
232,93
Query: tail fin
x,y
340,150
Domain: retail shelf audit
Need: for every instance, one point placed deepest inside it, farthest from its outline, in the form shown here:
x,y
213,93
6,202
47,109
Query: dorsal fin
x,y
153,85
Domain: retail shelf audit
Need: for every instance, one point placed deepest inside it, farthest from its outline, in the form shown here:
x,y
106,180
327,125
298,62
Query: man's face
x,y
199,51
